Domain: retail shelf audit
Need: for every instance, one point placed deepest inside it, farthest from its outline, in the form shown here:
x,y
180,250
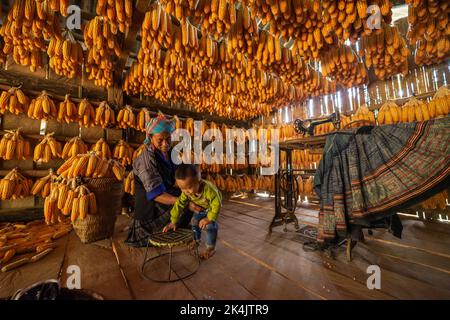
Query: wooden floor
x,y
250,265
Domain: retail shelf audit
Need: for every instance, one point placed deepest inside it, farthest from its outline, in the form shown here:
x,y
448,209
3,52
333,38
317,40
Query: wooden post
x,y
115,96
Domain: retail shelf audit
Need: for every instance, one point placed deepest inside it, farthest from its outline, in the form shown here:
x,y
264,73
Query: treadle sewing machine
x,y
307,126
286,184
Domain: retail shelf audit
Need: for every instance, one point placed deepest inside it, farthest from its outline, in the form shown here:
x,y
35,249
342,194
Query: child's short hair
x,y
185,171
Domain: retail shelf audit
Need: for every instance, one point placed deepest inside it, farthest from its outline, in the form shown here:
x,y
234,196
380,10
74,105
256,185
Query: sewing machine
x,y
307,126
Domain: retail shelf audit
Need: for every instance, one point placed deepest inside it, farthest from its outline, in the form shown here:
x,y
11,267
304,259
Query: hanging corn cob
x,y
189,126
230,184
83,203
414,110
14,146
102,44
60,6
102,149
66,194
308,186
364,114
67,111
240,38
438,201
14,101
2,50
14,186
142,118
302,159
124,153
66,56
28,25
42,186
428,22
430,52
238,97
66,199
220,182
73,147
386,52
249,182
52,214
86,114
324,128
92,166
287,131
233,97
118,13
47,149
104,115
220,78
428,19
215,17
264,183
179,9
126,118
138,151
129,184
301,20
389,113
42,108
342,64
440,104
351,19
157,31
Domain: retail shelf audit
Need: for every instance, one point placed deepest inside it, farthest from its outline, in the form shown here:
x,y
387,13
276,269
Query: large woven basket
x,y
108,193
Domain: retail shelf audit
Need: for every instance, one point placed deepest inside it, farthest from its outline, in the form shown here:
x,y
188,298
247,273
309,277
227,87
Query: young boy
x,y
204,194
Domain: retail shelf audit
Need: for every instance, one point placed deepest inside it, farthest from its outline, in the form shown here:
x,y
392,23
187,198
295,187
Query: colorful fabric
x,y
146,168
157,125
209,199
156,173
368,173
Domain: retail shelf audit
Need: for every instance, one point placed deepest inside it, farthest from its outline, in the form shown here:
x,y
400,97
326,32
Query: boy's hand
x,y
203,223
170,226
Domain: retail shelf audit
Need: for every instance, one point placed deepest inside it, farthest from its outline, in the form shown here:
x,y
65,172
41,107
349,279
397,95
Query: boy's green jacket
x,y
210,199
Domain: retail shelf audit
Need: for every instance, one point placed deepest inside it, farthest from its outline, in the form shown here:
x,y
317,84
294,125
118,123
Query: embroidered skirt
x,y
370,172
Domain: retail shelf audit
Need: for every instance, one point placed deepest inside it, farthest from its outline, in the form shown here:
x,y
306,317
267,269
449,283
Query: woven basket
x,y
108,193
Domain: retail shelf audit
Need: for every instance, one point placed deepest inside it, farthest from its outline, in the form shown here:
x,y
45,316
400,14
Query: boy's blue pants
x,y
211,229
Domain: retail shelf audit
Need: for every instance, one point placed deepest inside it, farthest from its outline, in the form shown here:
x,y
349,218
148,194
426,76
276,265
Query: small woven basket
x,y
108,193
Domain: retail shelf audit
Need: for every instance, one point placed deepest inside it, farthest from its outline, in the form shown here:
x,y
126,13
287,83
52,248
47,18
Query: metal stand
x,y
181,237
286,196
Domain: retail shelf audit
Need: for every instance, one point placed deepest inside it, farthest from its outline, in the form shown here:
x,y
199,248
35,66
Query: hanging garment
x,y
367,174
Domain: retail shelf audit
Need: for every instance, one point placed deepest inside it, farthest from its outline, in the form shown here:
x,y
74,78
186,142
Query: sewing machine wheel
x,y
301,127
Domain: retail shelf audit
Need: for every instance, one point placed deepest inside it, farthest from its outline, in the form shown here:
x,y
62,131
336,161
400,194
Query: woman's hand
x,y
166,198
194,208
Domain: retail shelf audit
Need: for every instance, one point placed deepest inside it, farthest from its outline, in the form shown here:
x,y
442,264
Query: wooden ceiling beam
x,y
130,38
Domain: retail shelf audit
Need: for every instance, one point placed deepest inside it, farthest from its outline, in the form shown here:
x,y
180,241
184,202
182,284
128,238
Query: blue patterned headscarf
x,y
157,125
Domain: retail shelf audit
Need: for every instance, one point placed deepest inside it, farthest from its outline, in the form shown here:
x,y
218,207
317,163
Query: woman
x,y
156,193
